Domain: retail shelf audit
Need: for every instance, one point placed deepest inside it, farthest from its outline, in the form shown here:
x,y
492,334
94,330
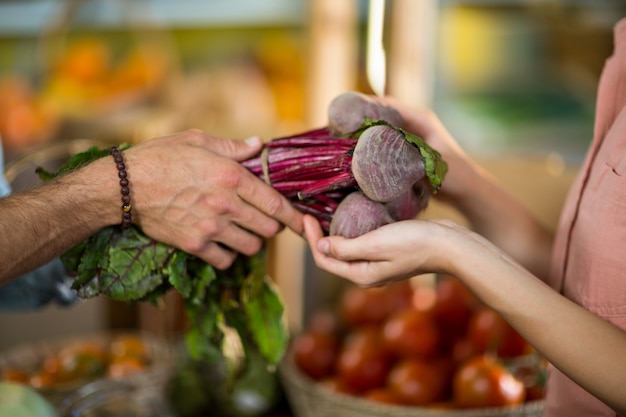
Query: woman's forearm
x,y
496,214
42,223
583,346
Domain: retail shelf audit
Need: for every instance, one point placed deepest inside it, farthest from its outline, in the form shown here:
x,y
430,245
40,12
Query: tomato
x,y
14,375
398,296
323,321
122,367
454,303
362,336
463,349
411,333
363,306
383,395
124,346
424,297
82,360
482,381
535,393
335,384
363,366
533,375
489,332
416,381
315,352
43,379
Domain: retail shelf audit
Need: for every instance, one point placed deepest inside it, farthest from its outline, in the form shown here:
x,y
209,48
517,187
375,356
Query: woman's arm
x,y
583,346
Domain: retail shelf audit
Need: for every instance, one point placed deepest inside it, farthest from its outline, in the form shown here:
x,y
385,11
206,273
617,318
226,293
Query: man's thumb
x,y
240,150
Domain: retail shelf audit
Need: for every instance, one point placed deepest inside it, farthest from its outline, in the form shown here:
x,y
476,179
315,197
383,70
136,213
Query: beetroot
x,y
357,215
317,170
409,204
348,111
384,164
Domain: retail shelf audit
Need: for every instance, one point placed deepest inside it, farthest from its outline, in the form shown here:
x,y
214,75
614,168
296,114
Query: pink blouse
x,y
589,260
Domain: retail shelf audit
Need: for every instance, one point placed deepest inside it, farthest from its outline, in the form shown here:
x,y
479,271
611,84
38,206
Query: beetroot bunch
x,y
360,172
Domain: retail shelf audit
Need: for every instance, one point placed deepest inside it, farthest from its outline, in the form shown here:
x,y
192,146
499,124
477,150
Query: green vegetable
x,y
18,400
127,265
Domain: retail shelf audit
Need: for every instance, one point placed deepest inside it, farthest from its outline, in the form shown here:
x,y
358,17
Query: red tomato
x,y
411,333
416,381
489,332
383,395
363,306
43,379
14,375
363,336
363,367
482,381
535,393
454,303
315,353
462,350
323,321
424,298
336,385
124,346
122,367
399,296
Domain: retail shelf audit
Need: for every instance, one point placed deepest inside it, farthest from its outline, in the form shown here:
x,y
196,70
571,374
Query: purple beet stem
x,y
312,169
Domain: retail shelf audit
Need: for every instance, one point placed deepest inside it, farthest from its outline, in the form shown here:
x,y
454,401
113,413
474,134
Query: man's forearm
x,y
42,223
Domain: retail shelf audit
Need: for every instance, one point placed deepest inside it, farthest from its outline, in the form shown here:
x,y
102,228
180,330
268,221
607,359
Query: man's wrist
x,y
97,190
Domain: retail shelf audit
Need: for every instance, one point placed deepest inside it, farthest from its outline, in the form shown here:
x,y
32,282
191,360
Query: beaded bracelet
x,y
121,172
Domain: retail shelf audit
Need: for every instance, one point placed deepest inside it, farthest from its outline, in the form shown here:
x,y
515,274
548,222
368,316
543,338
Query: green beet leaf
x,y
264,311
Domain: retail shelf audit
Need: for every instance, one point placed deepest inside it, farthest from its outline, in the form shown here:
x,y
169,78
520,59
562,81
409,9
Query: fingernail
x,y
253,141
323,246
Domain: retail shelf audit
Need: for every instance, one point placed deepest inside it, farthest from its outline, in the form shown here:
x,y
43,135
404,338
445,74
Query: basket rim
x,y
299,387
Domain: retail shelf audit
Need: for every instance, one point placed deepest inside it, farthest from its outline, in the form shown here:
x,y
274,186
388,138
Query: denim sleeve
x,y
37,288
5,189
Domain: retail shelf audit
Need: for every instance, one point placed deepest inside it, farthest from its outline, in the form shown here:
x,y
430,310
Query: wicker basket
x,y
309,399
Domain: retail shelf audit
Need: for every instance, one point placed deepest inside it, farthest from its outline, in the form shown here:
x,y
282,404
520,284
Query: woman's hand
x,y
396,251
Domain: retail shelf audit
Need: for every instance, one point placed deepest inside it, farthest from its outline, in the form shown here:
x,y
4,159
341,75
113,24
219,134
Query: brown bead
x,y
125,186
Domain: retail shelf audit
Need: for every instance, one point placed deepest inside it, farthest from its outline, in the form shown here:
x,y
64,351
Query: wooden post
x,y
411,59
332,69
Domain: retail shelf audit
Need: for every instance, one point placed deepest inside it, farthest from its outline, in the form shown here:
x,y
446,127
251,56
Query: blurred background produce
x,y
513,80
